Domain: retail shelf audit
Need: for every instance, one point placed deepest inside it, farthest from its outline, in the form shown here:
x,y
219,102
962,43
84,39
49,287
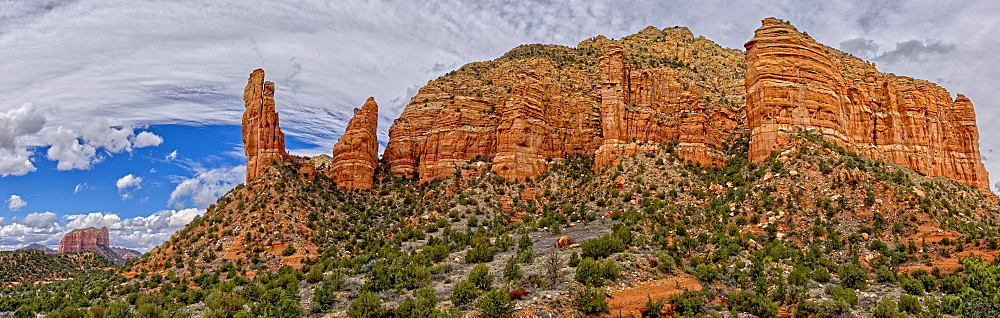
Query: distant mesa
x,y
97,241
538,104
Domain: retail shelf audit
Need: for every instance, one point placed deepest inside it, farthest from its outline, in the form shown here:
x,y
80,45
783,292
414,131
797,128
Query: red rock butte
x,y
355,155
263,141
605,98
88,239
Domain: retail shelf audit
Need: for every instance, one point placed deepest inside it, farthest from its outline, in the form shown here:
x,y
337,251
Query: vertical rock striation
x,y
88,239
263,141
794,83
355,155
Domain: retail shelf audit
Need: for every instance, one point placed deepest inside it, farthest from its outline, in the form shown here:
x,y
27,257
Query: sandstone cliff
x,y
88,239
355,155
794,83
538,103
263,141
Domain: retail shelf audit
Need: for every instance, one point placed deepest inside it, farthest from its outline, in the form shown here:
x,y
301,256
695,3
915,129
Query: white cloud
x,y
207,186
146,139
15,124
79,150
140,233
15,203
127,184
128,181
38,220
80,187
171,156
99,134
68,151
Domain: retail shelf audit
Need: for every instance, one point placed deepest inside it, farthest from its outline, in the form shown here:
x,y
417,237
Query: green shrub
x,y
324,297
952,285
706,272
912,286
689,303
421,307
480,276
820,274
480,254
845,296
118,309
574,260
854,276
653,308
464,292
602,247
909,304
753,303
591,301
798,277
512,271
886,308
595,273
288,251
367,305
496,304
665,263
226,304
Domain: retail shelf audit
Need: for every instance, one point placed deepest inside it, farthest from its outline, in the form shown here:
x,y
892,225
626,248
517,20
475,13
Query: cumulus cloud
x,y
68,151
79,151
147,139
206,186
99,134
141,233
128,184
171,156
14,125
15,203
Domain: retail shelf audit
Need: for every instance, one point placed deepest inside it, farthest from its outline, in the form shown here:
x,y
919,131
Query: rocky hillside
x,y
34,266
655,174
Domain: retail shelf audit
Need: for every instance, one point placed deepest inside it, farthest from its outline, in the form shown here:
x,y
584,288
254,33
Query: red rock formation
x,y
355,155
794,83
646,108
88,239
263,141
522,132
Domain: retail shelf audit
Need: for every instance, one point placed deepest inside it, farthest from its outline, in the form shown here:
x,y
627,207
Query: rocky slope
x,y
34,266
766,183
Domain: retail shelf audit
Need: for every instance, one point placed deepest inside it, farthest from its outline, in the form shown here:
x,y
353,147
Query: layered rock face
x,y
88,239
794,84
537,104
644,109
263,141
355,155
523,115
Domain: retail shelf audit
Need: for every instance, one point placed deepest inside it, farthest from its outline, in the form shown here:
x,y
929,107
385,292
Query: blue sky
x,y
108,90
